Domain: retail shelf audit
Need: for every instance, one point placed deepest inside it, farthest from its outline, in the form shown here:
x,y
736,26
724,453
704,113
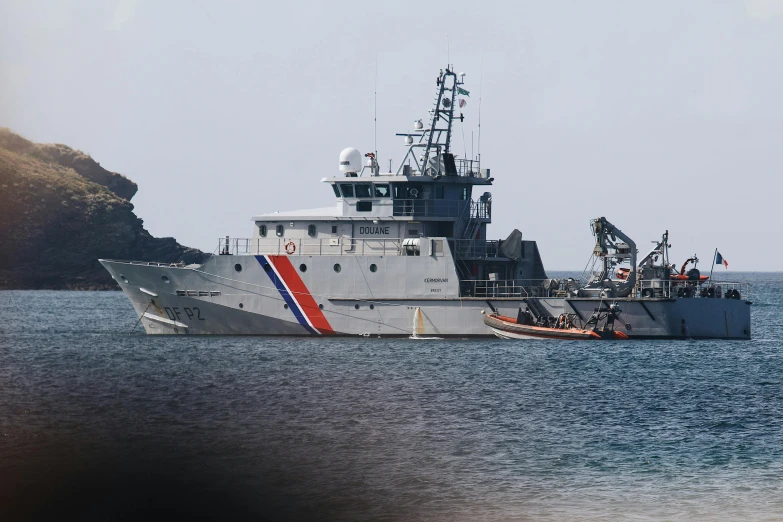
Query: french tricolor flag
x,y
719,260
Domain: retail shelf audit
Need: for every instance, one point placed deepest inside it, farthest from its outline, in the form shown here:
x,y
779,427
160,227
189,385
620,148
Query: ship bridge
x,y
433,202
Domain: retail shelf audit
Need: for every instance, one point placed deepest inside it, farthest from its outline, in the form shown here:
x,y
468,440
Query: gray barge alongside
x,y
406,253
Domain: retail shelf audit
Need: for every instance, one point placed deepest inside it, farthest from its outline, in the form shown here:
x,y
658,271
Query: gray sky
x,y
657,115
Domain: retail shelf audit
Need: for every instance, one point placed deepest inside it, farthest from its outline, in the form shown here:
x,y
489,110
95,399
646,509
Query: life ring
x,y
290,248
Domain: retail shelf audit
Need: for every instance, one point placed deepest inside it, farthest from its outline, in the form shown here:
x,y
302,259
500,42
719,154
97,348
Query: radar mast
x,y
436,159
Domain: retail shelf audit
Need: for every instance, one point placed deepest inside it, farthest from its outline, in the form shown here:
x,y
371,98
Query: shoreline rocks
x,y
60,211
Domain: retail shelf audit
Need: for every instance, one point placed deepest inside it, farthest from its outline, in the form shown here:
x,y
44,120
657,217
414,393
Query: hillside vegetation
x,y
60,211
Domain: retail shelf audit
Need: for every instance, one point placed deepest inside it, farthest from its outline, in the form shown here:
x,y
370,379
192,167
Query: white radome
x,y
350,160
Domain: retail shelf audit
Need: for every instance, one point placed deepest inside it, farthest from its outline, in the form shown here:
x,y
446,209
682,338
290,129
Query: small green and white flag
x,y
462,91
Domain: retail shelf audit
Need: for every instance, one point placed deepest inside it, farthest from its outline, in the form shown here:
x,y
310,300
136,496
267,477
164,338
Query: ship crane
x,y
612,247
693,260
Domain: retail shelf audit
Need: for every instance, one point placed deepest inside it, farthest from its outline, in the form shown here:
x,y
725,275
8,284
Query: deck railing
x,y
475,248
644,289
442,208
337,246
469,168
692,289
523,288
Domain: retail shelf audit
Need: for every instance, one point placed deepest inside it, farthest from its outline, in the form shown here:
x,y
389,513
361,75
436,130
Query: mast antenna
x,y
481,84
375,106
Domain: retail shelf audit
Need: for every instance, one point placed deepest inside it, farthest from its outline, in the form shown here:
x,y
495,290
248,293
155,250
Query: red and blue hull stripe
x,y
295,294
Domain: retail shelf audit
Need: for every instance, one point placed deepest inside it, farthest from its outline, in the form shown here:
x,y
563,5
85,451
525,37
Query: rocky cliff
x,y
60,211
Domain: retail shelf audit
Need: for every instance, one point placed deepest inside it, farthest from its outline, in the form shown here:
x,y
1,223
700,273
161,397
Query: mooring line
x,y
142,315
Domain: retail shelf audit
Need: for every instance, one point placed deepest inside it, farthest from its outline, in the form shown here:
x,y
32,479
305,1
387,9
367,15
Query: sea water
x,y
99,422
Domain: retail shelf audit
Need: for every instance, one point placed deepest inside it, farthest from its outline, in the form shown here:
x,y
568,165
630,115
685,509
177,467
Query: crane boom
x,y
611,251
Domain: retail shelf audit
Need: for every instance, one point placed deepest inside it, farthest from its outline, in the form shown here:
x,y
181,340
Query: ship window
x,y
311,230
364,206
279,230
363,190
372,307
262,230
165,279
373,267
241,305
408,191
464,195
336,191
238,267
413,232
303,267
356,306
337,267
334,229
347,189
438,191
381,190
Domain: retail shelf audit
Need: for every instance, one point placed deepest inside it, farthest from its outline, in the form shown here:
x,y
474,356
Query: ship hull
x,y
217,302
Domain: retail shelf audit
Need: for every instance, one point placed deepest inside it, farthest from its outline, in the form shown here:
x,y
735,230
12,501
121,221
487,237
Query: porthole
x,y
165,279
241,305
124,279
238,267
268,267
303,267
337,268
321,306
373,267
372,307
285,306
356,306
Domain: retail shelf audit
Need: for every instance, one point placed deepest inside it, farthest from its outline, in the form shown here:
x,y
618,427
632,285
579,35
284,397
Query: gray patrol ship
x,y
405,253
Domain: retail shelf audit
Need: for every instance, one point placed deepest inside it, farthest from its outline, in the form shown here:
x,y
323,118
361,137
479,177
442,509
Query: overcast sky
x,y
658,115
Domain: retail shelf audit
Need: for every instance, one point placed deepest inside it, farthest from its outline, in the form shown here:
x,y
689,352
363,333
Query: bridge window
x,y
279,230
407,191
381,190
334,229
347,189
262,230
311,230
336,191
363,190
364,206
465,193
